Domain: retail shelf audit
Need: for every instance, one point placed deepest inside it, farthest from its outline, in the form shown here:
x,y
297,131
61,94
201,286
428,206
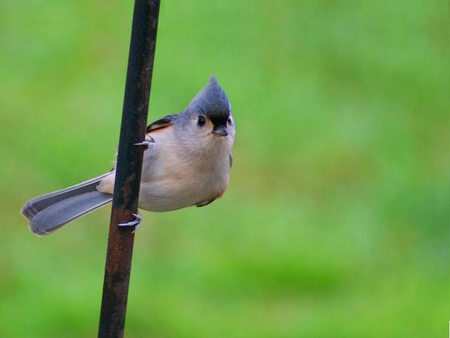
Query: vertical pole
x,y
128,168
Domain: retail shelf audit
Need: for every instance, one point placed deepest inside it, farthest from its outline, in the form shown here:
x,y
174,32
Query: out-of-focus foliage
x,y
335,222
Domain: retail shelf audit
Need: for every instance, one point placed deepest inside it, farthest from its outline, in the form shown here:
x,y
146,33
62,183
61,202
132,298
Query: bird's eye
x,y
230,121
201,121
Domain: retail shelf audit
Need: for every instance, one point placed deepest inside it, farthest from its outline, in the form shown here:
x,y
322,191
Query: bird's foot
x,y
136,223
147,143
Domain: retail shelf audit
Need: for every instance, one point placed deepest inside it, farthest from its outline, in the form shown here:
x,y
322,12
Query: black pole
x,y
128,169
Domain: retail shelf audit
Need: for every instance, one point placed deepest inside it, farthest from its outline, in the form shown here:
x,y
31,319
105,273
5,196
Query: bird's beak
x,y
220,130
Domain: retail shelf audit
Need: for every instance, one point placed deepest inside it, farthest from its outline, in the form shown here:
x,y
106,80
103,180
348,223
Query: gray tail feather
x,y
49,212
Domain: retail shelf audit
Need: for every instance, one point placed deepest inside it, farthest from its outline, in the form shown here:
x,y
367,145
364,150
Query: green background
x,y
335,221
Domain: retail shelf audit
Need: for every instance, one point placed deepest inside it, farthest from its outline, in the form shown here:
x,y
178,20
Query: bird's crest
x,y
211,101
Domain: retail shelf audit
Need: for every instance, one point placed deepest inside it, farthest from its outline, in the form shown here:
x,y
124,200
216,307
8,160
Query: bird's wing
x,y
164,122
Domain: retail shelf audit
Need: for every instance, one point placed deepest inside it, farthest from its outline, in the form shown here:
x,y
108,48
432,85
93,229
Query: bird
x,y
186,162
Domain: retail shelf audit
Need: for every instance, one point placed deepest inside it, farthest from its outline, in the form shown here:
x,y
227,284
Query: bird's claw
x,y
136,223
147,143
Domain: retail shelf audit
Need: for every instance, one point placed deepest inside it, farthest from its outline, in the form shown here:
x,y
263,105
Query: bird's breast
x,y
176,176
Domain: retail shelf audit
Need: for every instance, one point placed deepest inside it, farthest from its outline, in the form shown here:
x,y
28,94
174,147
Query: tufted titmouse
x,y
187,162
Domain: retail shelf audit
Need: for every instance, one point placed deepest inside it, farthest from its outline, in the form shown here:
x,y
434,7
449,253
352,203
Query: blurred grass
x,y
336,220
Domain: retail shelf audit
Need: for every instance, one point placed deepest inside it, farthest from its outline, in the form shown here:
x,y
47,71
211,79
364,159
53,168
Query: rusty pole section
x,y
129,167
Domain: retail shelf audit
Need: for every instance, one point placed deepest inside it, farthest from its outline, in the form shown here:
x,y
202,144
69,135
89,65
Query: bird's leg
x,y
134,223
147,143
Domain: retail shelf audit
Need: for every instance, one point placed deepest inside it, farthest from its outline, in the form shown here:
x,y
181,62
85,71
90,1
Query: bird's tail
x,y
49,212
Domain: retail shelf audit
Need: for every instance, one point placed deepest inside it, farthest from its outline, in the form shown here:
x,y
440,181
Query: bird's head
x,y
210,111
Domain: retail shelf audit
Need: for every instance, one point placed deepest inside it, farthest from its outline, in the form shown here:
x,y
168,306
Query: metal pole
x,y
128,168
